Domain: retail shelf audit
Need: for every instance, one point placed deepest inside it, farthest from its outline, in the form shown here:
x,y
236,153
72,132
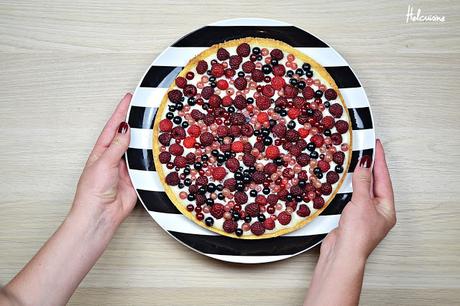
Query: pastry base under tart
x,y
260,42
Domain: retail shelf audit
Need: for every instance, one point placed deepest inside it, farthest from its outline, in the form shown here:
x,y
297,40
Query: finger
x,y
118,146
110,127
127,192
382,181
362,178
123,173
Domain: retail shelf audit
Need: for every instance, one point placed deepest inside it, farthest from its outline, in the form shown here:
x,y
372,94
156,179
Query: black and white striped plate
x,y
148,96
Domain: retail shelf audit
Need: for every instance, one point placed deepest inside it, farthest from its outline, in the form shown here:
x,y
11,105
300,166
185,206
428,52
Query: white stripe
x,y
249,22
146,180
180,223
249,259
354,97
324,56
141,138
363,139
148,96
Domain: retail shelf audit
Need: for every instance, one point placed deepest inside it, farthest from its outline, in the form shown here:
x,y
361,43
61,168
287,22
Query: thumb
x,y
362,178
118,146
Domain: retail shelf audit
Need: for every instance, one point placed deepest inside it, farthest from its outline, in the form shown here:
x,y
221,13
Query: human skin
x,y
105,197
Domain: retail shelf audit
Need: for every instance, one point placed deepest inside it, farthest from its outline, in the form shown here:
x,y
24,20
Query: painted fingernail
x,y
123,128
366,161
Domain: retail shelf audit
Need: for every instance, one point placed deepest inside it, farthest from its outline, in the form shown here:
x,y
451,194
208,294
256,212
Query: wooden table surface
x,y
65,64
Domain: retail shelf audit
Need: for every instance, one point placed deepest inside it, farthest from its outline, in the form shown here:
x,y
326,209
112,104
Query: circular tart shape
x,y
252,140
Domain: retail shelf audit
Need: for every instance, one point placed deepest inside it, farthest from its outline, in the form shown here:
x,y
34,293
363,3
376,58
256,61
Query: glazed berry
x,y
257,228
202,67
330,94
229,226
284,218
266,69
222,54
239,232
257,75
172,179
338,157
306,66
164,157
243,50
235,61
209,221
341,126
256,50
303,211
277,54
336,110
318,203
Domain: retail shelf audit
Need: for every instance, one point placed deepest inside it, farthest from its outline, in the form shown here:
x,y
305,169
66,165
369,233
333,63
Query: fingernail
x,y
123,128
366,161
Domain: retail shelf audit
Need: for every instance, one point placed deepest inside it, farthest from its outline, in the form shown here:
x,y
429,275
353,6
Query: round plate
x,y
148,96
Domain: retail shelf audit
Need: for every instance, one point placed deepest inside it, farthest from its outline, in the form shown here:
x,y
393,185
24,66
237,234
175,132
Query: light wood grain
x,y
65,64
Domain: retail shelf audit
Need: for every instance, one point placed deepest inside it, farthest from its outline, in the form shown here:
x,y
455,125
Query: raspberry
x,y
328,122
247,147
243,50
217,70
222,131
302,144
175,95
303,132
303,211
336,139
318,140
330,94
298,102
268,91
332,177
296,190
232,164
207,92
261,200
222,84
227,101
258,177
248,66
240,101
279,130
180,82
240,83
194,130
190,157
235,61
257,228
176,149
281,102
209,119
229,72
324,166
206,139
229,226
270,168
317,115
262,117
257,75
272,199
259,146
214,101
200,199
290,91
252,209
277,54
222,54
225,147
190,91
292,135
219,173
235,131
336,110
164,157
202,180
178,132
341,126
249,160
338,157
247,130
237,146
237,119
295,150
284,218
197,115
230,184
302,119
172,179
278,82
166,125
303,159
279,70
189,142
165,138
263,102
217,210
269,224
326,188
180,162
308,93
318,203
240,197
293,113
272,152
201,67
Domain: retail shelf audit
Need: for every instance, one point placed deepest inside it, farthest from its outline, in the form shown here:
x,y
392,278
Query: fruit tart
x,y
252,139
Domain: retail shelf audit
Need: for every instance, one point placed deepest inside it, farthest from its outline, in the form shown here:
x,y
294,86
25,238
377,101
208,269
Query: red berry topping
x,y
341,126
202,180
229,72
308,93
248,66
284,218
248,160
318,140
336,139
270,168
269,224
165,138
277,54
272,152
292,135
257,75
235,61
332,177
189,142
166,125
328,122
222,54
172,179
303,211
240,83
180,162
190,91
268,91
230,184
202,67
217,210
194,130
303,159
279,70
338,157
279,130
180,82
262,117
175,95
243,50
257,228
252,209
230,226
318,203
164,157
324,166
207,92
176,149
336,110
290,91
263,102
232,164
326,188
258,177
197,115
222,84
278,82
214,101
217,70
241,197
330,94
206,139
219,173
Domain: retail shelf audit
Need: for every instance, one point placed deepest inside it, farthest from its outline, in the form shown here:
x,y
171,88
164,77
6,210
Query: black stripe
x,y
210,35
343,76
360,118
356,156
141,117
157,201
337,204
140,159
160,76
223,245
